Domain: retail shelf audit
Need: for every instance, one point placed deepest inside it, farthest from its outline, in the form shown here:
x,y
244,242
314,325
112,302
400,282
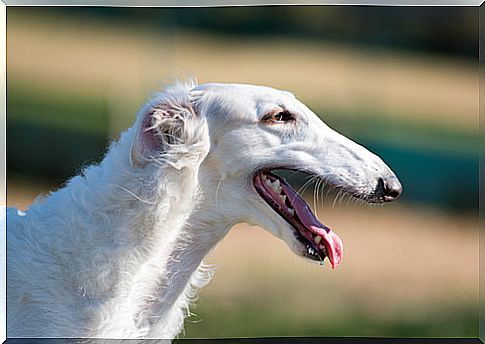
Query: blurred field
x,y
410,268
78,80
438,89
406,271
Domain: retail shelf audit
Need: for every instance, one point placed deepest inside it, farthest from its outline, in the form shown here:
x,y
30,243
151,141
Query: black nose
x,y
391,188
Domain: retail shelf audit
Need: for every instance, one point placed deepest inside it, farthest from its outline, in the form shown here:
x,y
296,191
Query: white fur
x,y
117,252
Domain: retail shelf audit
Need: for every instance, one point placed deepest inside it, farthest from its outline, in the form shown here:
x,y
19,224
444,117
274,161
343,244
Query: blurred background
x,y
403,81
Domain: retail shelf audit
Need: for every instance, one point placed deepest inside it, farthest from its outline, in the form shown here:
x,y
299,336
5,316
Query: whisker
x,y
318,187
306,185
314,199
337,197
323,185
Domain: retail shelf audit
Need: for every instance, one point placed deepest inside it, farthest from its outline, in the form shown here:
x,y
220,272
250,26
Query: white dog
x,y
117,252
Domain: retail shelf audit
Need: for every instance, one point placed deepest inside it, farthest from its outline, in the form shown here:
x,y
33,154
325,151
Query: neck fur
x,y
154,235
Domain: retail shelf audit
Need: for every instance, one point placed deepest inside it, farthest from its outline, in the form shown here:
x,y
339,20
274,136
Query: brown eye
x,y
278,118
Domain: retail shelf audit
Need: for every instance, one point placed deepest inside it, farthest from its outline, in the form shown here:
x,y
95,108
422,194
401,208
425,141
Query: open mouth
x,y
320,241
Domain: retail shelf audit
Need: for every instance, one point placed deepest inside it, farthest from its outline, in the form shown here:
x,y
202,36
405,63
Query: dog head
x,y
254,130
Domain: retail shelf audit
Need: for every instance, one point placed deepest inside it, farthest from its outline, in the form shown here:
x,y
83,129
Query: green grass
x,y
63,110
399,131
262,320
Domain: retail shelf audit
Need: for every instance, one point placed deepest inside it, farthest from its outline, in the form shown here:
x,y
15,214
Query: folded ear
x,y
164,129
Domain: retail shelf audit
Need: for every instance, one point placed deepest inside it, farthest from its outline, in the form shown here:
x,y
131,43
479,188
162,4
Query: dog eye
x,y
278,118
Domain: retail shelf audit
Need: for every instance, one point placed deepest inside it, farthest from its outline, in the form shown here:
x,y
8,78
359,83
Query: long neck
x,y
115,202
143,234
155,227
184,273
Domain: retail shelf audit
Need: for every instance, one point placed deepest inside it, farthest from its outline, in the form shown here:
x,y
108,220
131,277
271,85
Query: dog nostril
x,y
392,188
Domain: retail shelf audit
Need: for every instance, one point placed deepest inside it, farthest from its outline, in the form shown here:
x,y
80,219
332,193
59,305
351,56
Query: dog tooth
x,y
322,247
283,198
263,176
291,211
277,186
268,182
317,239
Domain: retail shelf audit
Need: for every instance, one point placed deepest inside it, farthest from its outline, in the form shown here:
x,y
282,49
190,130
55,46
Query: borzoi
x,y
117,252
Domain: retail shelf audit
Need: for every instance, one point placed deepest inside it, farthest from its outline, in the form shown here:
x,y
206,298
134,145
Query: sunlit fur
x,y
117,252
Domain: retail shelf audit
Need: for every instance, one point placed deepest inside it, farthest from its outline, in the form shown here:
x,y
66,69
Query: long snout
x,y
355,169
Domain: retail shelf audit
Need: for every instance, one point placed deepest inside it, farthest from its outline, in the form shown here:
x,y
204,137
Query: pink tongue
x,y
333,244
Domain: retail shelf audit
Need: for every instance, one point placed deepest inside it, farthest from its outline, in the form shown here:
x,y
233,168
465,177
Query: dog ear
x,y
162,126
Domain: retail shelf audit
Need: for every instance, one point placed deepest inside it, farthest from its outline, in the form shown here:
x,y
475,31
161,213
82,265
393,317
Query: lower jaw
x,y
318,256
293,222
306,244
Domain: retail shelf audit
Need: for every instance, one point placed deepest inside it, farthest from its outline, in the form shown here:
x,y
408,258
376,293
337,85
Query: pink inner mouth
x,y
321,241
